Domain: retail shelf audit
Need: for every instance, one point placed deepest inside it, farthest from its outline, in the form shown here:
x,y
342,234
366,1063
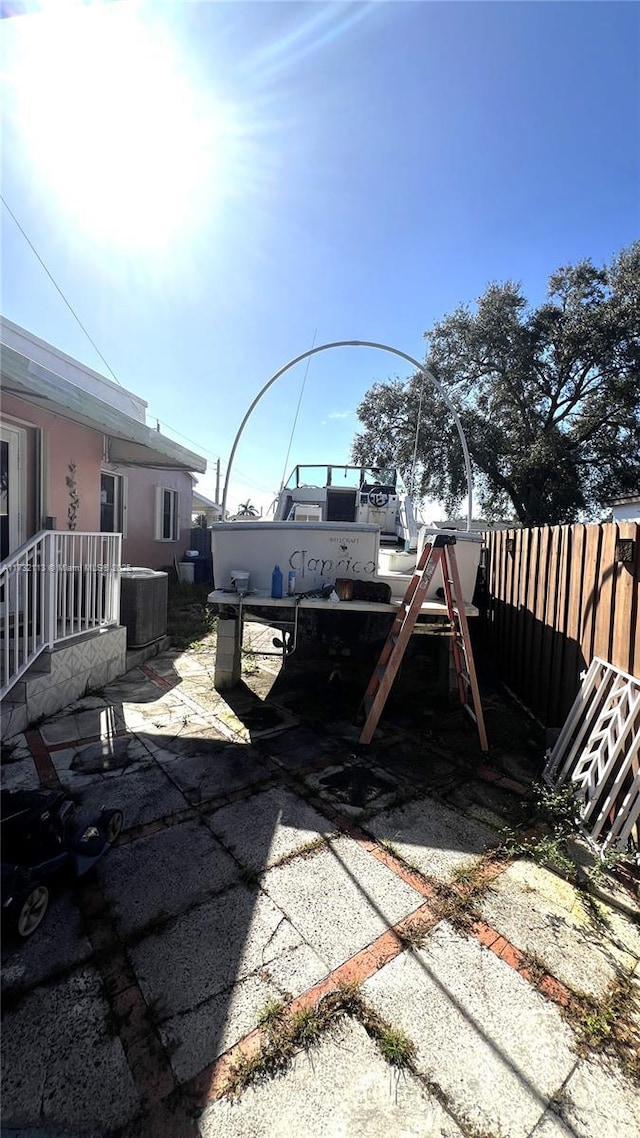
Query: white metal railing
x,y
598,754
57,585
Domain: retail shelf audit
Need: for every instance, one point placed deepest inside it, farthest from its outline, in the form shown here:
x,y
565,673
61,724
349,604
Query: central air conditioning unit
x,y
143,605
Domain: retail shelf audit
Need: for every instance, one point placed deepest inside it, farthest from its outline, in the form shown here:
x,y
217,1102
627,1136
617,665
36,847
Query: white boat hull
x,y
320,552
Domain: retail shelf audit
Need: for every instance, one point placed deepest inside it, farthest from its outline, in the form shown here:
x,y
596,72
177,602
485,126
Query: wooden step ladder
x,y
440,552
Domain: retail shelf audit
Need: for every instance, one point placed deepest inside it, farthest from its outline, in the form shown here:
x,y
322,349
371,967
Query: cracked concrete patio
x,y
266,860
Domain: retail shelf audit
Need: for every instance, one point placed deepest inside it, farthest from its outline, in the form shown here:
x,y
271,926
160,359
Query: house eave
x,y
130,442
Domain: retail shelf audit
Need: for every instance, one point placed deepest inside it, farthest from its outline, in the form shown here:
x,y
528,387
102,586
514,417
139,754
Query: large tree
x,y
549,399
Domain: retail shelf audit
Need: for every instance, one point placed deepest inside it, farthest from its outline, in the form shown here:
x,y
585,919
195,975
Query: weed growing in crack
x,y
558,812
609,1025
250,877
412,935
465,874
272,1012
288,1032
548,850
396,1048
535,966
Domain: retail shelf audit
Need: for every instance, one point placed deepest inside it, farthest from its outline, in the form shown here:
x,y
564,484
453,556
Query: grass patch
x,y
249,662
535,966
396,1048
607,1025
190,620
286,1033
272,1012
460,909
413,935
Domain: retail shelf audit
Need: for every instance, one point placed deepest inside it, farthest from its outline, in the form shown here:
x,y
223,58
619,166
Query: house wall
x,y
140,546
63,442
628,512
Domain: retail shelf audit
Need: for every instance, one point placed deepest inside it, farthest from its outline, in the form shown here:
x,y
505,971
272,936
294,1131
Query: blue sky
x,y
213,184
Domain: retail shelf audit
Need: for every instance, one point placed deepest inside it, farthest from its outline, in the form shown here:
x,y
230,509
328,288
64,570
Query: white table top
x,y
259,599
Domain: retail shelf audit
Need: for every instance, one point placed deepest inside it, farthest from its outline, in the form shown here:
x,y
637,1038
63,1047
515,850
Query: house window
x,y
113,503
166,514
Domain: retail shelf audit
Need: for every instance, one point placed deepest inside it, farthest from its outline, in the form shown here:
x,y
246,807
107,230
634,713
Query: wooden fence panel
x,y
559,597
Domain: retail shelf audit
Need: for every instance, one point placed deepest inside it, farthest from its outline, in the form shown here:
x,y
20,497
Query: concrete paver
x,y
210,948
61,1066
302,747
78,767
268,827
543,915
497,1050
102,721
196,1037
214,770
143,794
340,899
431,837
340,1089
596,1102
64,947
163,874
354,787
19,774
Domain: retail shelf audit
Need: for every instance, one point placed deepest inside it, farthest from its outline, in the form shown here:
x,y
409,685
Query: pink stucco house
x,y
85,486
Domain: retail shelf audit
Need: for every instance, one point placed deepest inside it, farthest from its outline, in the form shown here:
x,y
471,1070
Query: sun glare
x,y
114,126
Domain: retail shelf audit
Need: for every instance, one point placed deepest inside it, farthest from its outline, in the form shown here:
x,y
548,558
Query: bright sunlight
x,y
115,128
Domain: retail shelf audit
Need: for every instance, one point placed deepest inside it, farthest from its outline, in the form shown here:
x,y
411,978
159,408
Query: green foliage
x,y
396,1048
559,812
74,497
548,397
190,620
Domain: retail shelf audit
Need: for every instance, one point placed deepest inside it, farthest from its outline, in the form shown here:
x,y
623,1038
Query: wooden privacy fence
x,y
558,596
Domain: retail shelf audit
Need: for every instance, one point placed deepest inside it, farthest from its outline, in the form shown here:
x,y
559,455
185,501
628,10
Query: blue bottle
x,y
276,582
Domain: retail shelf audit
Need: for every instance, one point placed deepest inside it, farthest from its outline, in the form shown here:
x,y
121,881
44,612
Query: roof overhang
x,y
200,502
130,442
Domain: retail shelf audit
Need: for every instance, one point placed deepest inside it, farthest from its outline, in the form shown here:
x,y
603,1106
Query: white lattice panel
x,y
598,754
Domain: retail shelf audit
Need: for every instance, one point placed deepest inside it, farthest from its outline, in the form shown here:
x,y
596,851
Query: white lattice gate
x,y
597,753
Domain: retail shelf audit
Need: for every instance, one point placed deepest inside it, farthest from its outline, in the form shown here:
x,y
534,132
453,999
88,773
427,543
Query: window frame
x,y
120,502
173,515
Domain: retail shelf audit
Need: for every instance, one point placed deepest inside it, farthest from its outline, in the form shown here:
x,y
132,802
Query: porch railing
x,y
53,587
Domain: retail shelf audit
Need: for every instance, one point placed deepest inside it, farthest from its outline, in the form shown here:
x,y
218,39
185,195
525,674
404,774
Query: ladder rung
x,y
471,713
368,703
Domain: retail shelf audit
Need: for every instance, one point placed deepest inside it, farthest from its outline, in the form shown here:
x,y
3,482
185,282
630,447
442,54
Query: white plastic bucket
x,y
240,580
186,572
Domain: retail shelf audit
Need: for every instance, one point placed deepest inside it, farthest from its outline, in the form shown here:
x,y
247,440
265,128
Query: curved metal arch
x,y
358,344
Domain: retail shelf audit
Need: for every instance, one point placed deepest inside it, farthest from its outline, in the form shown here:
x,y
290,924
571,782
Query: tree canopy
x,y
549,398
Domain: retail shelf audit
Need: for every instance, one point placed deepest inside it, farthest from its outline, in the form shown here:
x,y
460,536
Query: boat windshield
x,y
341,476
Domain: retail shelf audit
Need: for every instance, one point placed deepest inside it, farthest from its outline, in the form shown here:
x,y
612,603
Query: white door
x,y
12,489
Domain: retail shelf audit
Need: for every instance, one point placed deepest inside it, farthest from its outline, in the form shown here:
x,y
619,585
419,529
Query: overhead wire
x,y
295,418
205,452
80,324
59,290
